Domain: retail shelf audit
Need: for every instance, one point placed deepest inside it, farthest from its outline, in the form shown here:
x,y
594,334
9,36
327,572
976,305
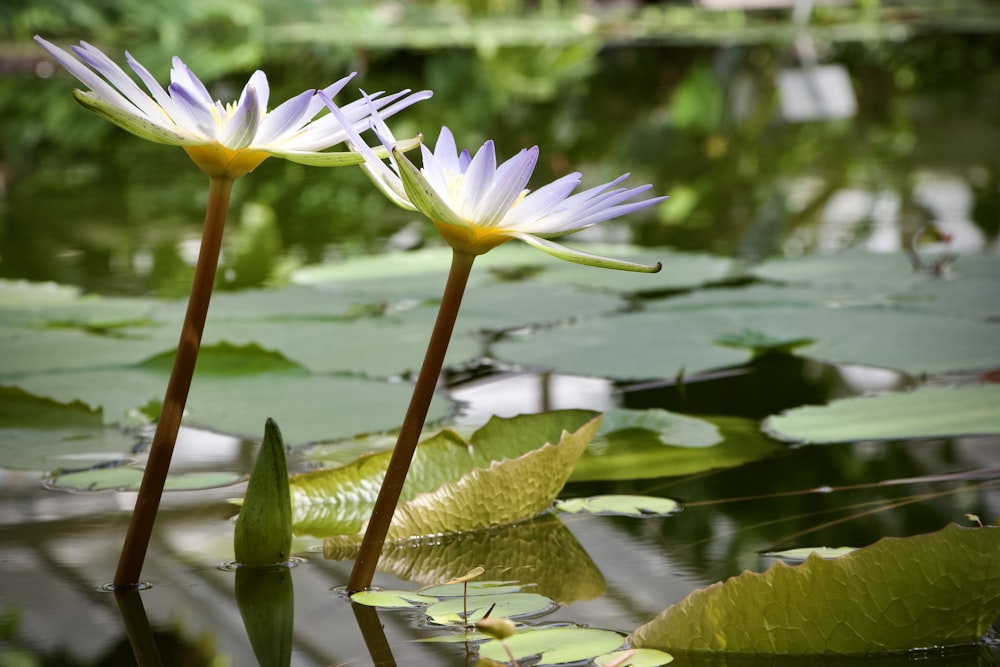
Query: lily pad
x,y
641,454
898,594
671,428
925,413
41,434
392,599
504,492
129,479
337,501
502,605
620,505
553,646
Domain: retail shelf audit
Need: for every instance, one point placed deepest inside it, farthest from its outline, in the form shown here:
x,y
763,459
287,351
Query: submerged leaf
x,y
898,594
925,413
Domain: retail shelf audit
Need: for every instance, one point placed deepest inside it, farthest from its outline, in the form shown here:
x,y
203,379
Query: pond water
x,y
917,162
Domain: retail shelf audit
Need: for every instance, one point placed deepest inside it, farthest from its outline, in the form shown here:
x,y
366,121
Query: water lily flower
x,y
223,139
477,205
226,141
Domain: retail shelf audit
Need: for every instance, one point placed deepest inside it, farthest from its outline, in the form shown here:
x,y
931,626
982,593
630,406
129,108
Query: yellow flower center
x,y
472,240
217,160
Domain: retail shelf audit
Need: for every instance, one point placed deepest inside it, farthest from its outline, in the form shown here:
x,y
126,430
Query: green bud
x,y
263,534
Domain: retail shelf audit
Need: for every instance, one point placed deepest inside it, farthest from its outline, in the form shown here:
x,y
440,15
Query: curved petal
x,y
287,118
136,124
423,196
117,77
476,183
580,257
536,205
239,130
508,184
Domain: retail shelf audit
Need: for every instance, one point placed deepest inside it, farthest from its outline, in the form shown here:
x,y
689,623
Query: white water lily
x,y
477,205
223,139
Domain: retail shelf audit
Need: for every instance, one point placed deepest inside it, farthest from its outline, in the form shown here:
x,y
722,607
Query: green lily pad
x,y
237,406
128,479
27,294
464,588
620,505
641,454
501,605
553,646
41,434
504,492
392,599
628,346
898,594
925,413
337,501
671,428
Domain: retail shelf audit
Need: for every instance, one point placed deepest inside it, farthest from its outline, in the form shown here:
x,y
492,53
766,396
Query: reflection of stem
x,y
413,423
371,630
140,636
141,526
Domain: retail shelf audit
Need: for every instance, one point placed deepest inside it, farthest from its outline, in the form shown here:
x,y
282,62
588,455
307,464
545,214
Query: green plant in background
x,y
476,206
226,142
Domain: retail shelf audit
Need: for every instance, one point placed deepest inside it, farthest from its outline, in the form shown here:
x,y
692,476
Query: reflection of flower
x,y
476,205
223,139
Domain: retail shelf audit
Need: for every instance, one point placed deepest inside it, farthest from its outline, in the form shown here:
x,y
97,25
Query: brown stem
x,y
413,424
141,526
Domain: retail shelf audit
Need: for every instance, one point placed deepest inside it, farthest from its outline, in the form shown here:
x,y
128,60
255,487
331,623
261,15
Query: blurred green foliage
x,y
679,97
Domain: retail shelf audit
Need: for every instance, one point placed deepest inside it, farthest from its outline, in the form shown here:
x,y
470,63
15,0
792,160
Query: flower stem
x,y
413,423
141,526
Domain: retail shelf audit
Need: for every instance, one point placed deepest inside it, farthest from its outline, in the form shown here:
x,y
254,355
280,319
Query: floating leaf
x,y
231,406
639,454
392,599
41,434
227,359
337,501
898,594
554,645
925,413
670,427
125,478
461,589
620,505
759,343
504,605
